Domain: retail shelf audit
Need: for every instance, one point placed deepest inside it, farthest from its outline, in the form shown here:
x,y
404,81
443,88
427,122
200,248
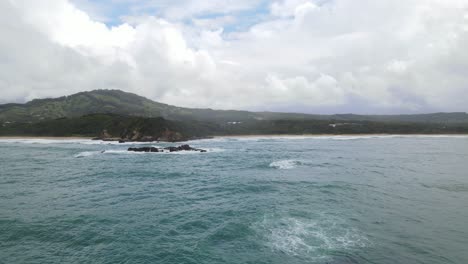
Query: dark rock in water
x,y
170,149
145,149
186,147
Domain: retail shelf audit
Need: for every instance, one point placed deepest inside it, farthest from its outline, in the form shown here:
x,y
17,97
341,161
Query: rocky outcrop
x,y
105,136
171,136
137,136
146,149
167,149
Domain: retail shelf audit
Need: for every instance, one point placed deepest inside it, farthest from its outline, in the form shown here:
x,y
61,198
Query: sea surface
x,y
285,200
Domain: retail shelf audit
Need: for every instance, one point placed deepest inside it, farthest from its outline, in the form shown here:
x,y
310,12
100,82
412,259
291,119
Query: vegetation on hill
x,y
336,127
110,126
128,128
119,115
110,102
128,104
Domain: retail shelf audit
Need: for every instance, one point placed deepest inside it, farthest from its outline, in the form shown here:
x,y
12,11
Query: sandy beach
x,y
333,135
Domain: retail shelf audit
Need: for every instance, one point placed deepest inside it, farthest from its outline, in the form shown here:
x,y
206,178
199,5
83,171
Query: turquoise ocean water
x,y
370,199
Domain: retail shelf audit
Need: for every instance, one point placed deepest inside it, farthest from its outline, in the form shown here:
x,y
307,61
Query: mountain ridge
x,y
124,103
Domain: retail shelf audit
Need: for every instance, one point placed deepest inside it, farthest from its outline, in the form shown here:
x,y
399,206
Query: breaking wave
x,y
222,139
285,164
308,237
69,141
85,154
321,137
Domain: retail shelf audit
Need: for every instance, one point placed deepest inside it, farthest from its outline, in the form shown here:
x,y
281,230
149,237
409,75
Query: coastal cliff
x,y
111,127
137,135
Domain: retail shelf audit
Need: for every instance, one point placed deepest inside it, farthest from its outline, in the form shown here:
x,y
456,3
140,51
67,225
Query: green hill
x,y
128,104
109,101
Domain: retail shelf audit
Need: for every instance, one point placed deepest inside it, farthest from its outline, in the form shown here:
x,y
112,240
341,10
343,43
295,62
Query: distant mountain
x,y
109,101
128,104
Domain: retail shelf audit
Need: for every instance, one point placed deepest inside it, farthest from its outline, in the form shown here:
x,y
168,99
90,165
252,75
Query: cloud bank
x,y
359,56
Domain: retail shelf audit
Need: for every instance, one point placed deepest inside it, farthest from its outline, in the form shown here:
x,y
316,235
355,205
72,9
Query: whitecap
x,y
126,152
189,152
86,154
120,151
322,137
310,237
225,139
68,141
36,141
100,142
214,150
285,164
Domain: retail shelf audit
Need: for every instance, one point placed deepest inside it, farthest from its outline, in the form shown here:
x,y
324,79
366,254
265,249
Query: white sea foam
x,y
321,137
38,141
125,152
295,236
285,164
166,152
215,150
121,151
223,139
68,141
86,154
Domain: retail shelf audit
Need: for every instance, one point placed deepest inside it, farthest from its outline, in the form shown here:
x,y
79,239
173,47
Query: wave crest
x,y
85,154
285,164
313,238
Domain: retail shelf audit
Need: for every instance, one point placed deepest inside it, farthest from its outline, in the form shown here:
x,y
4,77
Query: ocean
x,y
337,200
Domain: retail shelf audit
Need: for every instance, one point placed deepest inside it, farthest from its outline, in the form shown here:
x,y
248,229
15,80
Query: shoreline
x,y
40,137
333,135
246,136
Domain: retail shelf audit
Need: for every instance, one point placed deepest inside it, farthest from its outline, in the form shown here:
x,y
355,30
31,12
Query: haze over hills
x,y
117,115
128,104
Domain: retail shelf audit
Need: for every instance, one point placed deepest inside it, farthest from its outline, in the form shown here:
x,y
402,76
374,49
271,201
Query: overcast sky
x,y
322,56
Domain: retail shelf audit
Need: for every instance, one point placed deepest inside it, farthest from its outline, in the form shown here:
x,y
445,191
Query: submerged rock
x,y
170,149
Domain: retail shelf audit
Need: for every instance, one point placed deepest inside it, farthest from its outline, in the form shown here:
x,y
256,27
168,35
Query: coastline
x,y
333,135
252,136
40,137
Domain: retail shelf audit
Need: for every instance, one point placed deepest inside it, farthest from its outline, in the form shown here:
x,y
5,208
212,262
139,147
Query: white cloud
x,y
341,54
398,66
290,8
322,91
